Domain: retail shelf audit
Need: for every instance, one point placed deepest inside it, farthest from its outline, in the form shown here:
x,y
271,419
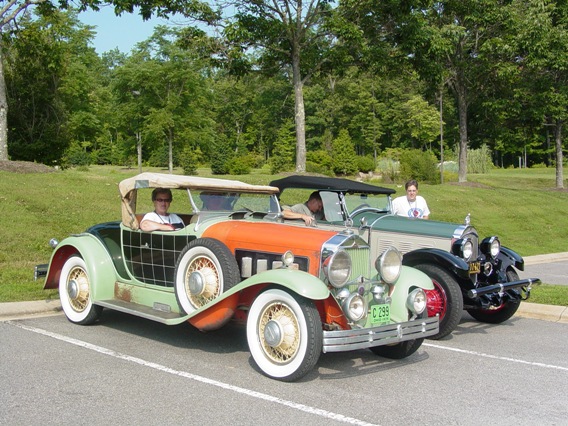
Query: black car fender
x,y
442,258
509,257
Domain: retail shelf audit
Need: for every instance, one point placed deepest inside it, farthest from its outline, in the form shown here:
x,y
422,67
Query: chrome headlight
x,y
338,268
463,248
491,246
354,307
416,301
389,265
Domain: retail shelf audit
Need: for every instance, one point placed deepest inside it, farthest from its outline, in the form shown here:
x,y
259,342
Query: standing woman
x,y
411,205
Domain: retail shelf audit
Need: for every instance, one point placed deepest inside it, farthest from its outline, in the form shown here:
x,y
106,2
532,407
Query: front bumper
x,y
349,340
502,287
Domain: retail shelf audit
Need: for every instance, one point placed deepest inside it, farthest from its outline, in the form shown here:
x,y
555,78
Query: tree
x,y
290,35
539,31
444,41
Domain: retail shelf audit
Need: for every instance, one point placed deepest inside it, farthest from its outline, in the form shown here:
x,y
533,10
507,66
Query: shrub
x,y
479,160
221,156
75,156
319,162
419,165
189,160
365,164
343,154
238,166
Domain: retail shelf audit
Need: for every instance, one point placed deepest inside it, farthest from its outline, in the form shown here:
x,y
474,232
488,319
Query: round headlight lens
x,y
389,265
354,307
288,258
416,301
339,268
467,250
495,247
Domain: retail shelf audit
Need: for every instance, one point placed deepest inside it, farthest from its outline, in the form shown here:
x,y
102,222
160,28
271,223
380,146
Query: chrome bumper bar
x,y
349,340
499,288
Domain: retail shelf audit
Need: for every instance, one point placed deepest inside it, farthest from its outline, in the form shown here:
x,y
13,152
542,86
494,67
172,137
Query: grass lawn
x,y
520,206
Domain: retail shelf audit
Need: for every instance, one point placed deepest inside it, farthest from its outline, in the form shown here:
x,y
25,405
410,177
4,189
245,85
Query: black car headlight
x,y
463,248
389,265
490,246
338,268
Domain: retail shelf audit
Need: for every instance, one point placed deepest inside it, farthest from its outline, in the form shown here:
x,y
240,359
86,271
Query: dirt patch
x,y
25,167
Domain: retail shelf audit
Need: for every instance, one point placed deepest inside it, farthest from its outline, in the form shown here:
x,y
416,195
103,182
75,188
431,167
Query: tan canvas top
x,y
128,189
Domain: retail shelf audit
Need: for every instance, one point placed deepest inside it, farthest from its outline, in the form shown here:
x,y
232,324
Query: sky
x,y
118,32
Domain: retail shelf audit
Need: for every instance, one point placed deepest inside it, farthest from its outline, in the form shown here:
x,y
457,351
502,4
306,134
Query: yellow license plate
x,y
474,268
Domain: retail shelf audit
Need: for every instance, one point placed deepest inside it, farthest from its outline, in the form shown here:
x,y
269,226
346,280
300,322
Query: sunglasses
x,y
163,200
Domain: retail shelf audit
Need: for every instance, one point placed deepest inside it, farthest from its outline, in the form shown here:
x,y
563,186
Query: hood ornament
x,y
467,220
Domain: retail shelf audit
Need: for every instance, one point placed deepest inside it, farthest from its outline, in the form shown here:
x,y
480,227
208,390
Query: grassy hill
x,y
521,206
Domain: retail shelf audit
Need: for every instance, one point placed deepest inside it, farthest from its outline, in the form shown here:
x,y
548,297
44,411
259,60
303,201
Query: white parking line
x,y
294,405
502,358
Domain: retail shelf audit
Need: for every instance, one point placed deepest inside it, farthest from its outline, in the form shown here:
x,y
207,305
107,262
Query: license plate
x,y
474,268
380,313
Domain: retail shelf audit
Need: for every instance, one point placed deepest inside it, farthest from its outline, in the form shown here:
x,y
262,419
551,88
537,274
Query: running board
x,y
161,314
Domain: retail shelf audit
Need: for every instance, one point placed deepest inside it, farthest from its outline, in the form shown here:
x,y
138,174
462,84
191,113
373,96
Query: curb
x,y
13,310
546,258
543,312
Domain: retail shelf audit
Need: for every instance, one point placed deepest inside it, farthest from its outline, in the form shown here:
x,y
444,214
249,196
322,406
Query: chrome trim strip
x,y
349,340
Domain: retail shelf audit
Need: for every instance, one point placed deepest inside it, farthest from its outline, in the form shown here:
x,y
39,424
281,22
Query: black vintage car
x,y
468,273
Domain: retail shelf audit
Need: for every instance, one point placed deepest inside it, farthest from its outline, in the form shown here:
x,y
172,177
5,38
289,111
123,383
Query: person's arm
x,y
150,225
290,214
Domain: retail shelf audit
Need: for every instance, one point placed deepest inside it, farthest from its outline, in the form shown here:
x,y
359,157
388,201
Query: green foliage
x,y
419,165
284,151
343,154
222,155
189,160
365,164
319,162
479,160
238,166
75,155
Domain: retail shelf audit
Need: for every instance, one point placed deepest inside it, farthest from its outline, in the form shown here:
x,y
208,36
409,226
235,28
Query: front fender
x,y
299,282
219,311
100,267
442,258
409,279
509,257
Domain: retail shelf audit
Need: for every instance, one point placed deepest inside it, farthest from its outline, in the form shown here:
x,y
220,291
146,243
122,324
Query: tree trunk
x,y
139,150
3,112
300,113
171,151
558,141
462,114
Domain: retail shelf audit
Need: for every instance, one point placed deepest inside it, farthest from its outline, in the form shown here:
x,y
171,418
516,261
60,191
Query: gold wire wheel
x,y
279,333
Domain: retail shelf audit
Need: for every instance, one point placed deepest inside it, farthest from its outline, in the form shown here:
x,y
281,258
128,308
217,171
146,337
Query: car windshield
x,y
356,202
215,201
193,201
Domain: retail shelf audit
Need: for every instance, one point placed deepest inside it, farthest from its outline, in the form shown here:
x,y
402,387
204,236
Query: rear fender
x,y
100,267
442,258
